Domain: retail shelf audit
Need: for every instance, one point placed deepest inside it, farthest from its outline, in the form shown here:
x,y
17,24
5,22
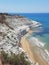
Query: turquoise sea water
x,y
43,18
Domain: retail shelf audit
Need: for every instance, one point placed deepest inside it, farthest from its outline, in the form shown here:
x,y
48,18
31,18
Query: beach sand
x,y
28,49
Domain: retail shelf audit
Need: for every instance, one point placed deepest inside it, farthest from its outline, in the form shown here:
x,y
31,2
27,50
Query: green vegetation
x,y
14,59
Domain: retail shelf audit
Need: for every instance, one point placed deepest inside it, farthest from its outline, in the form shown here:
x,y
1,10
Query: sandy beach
x,y
32,55
26,47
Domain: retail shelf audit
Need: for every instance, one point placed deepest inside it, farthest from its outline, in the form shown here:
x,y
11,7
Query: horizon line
x,y
24,12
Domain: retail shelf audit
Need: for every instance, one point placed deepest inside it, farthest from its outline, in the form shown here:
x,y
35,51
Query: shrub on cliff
x,y
14,59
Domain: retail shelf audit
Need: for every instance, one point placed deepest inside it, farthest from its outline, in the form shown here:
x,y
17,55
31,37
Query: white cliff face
x,y
10,34
10,41
36,24
11,30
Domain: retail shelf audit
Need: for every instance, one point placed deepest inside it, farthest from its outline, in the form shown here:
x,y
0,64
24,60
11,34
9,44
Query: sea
x,y
43,18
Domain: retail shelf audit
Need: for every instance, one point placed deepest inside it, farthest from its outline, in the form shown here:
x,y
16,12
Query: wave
x,y
43,52
47,52
37,42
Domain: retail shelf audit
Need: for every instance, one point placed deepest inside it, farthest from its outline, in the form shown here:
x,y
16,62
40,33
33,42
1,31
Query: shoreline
x,y
26,47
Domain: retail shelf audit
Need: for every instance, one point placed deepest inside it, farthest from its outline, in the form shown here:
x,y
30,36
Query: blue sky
x,y
24,6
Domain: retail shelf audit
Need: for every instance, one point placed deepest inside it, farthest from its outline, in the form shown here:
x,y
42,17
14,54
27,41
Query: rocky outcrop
x,y
10,34
12,28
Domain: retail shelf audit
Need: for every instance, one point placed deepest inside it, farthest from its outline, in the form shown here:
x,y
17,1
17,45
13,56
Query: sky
x,y
24,6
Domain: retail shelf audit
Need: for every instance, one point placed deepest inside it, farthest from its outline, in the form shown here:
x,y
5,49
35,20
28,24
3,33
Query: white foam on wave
x,y
37,42
35,23
47,52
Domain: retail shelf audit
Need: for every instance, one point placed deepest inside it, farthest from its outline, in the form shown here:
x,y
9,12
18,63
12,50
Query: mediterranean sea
x,y
43,18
